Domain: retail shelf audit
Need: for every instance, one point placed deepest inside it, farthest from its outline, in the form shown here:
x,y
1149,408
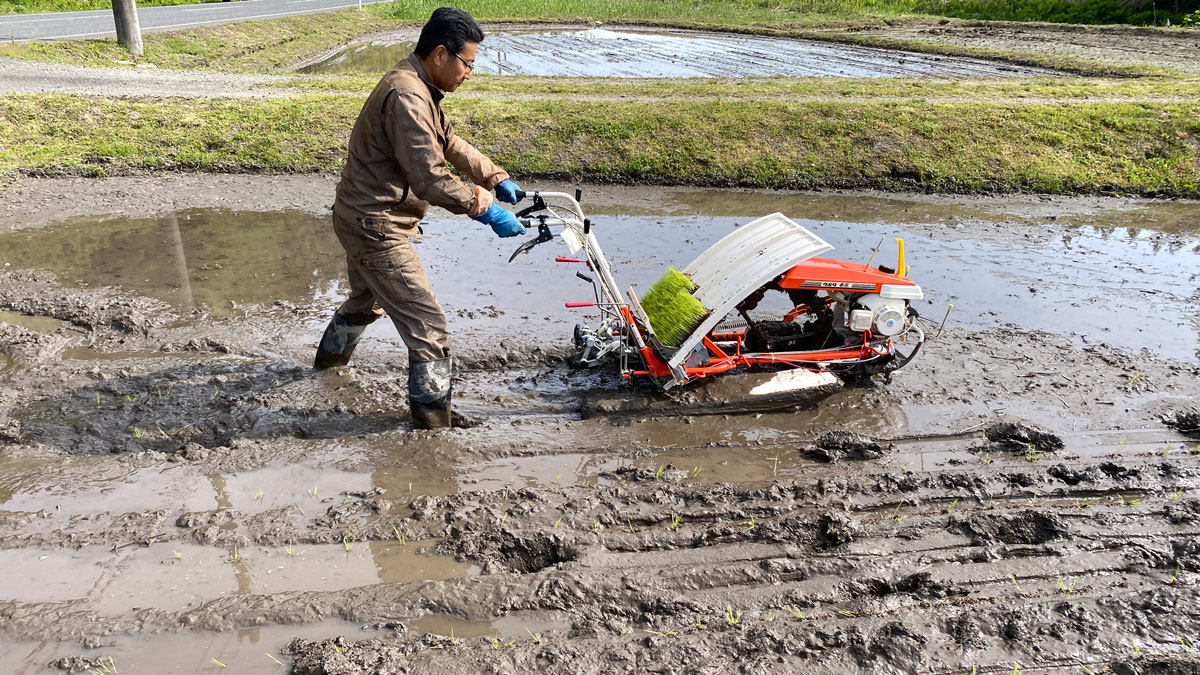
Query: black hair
x,y
449,27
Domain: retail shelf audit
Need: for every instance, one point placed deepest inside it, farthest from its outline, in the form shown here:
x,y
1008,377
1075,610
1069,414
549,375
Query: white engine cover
x,y
889,314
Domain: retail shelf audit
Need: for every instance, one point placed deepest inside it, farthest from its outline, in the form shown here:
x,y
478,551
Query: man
x,y
395,169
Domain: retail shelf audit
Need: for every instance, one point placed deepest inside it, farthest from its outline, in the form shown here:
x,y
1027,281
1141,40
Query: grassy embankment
x,y
892,134
955,147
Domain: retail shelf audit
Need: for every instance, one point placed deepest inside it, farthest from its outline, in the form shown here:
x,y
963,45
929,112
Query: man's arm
x,y
410,130
473,163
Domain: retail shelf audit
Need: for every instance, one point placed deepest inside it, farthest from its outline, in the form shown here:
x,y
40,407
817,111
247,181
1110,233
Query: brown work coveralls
x,y
395,170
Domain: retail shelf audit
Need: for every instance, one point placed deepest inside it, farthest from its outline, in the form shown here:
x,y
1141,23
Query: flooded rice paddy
x,y
655,53
179,490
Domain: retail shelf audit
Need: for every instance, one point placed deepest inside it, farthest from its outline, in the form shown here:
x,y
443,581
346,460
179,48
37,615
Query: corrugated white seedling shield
x,y
743,262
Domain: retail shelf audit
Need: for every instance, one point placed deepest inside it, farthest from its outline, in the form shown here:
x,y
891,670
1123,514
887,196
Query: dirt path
x,y
178,487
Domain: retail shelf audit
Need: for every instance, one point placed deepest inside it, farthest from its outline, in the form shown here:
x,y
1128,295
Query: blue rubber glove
x,y
503,223
506,191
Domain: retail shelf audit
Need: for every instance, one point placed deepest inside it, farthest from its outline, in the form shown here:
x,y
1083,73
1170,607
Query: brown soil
x,y
178,488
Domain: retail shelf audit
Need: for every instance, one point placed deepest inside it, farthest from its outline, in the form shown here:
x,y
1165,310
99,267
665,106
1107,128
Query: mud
x,y
658,53
178,487
1115,45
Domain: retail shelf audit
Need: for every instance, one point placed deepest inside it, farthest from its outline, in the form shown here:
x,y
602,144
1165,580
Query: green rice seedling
x,y
216,392
313,492
1031,453
596,525
1086,502
775,466
161,432
437,646
235,556
128,398
555,479
1136,648
1016,669
258,495
843,612
503,518
849,503
1014,582
1173,578
699,623
794,612
1169,447
1064,587
399,535
896,514
987,458
629,526
138,433
1121,444
696,470
453,640
732,616
626,631
219,663
270,656
669,633
1085,669
658,474
537,638
347,544
750,524
1033,502
675,518
951,506
1187,644
557,522
770,616
410,486
906,466
672,309
974,670
292,553
178,554
97,398
1176,494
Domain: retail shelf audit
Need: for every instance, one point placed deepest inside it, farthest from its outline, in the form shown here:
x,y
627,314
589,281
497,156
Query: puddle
x,y
37,324
634,52
242,651
209,259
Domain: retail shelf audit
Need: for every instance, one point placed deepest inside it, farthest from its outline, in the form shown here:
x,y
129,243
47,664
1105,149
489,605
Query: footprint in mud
x,y
209,405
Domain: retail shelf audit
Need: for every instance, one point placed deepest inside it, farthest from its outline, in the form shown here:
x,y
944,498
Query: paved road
x,y
99,23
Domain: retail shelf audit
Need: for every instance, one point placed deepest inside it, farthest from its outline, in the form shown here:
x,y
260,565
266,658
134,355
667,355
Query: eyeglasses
x,y
470,66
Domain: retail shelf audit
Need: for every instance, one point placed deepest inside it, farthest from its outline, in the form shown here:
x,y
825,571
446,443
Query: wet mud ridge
x,y
178,489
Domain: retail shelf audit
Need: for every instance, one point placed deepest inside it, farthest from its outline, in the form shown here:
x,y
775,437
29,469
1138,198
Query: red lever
x,y
562,259
581,304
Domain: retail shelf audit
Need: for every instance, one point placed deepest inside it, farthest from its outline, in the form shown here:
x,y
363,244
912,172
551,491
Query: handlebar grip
x,y
520,195
573,305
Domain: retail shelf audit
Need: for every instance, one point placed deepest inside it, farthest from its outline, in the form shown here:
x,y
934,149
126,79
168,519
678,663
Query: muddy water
x,y
1117,277
633,52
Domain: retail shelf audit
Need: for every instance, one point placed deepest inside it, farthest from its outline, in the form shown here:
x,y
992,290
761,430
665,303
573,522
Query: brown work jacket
x,y
399,147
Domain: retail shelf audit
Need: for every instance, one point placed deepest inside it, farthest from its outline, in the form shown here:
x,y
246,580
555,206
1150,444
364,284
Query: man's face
x,y
449,69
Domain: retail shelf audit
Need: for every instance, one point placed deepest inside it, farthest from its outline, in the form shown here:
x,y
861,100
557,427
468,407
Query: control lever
x,y
544,235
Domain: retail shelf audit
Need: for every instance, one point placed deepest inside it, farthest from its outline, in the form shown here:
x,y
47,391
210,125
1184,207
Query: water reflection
x,y
206,258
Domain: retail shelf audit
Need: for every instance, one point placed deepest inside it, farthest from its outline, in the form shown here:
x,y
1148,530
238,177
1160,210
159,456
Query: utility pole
x,y
129,33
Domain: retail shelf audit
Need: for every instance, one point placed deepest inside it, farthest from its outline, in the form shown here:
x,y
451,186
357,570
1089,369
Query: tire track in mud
x,y
976,580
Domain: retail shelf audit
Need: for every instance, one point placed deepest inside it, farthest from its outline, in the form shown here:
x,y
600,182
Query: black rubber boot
x,y
429,393
337,344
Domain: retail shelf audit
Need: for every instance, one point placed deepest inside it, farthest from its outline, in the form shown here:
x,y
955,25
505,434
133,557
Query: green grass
x,y
1060,89
968,147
